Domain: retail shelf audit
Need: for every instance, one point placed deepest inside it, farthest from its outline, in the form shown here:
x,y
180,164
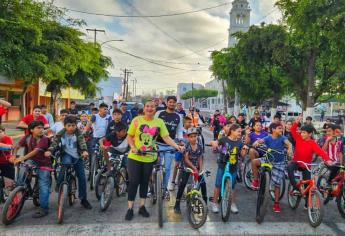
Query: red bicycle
x,y
308,190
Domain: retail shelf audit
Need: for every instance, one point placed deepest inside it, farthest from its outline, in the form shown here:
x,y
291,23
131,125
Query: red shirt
x,y
5,155
30,118
41,144
3,110
305,149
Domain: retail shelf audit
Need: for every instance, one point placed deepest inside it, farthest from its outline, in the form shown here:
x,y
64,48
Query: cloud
x,y
188,38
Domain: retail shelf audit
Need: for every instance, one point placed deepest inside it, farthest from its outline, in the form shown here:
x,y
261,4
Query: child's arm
x,y
295,135
321,153
259,142
189,163
247,136
22,125
289,145
201,162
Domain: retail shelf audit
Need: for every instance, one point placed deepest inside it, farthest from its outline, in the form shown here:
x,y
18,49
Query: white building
x,y
182,88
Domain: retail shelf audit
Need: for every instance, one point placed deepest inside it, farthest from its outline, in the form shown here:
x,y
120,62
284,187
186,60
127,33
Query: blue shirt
x,y
254,136
126,117
278,145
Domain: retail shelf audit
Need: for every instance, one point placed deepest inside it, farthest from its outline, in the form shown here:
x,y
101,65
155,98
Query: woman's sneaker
x,y
143,212
129,214
214,207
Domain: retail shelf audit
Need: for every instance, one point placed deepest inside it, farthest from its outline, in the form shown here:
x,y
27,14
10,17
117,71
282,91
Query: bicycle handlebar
x,y
190,170
307,165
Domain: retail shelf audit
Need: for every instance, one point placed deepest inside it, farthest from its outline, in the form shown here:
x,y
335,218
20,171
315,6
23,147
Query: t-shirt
x,y
194,155
57,127
126,117
278,145
70,145
41,144
112,126
182,113
229,152
173,124
100,125
254,136
30,118
3,111
334,149
134,112
145,133
5,155
73,111
49,118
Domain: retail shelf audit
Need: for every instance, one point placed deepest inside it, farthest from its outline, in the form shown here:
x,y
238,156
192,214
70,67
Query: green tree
x,y
199,94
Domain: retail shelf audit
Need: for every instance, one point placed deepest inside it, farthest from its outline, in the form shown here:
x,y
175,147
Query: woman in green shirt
x,y
142,135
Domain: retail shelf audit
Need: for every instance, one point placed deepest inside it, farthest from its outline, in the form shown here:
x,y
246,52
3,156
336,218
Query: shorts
x,y
219,178
278,172
178,157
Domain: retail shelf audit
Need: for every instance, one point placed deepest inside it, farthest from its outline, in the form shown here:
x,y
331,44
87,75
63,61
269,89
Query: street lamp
x,y
113,40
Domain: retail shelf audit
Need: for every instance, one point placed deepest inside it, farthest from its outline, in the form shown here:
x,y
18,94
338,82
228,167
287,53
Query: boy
x,y
7,169
252,137
117,116
36,143
193,158
187,123
277,142
58,126
305,148
73,148
114,139
36,115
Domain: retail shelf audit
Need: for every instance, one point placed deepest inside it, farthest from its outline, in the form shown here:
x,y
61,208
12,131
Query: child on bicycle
x,y
36,143
192,158
70,140
277,142
228,147
252,136
115,138
58,126
305,148
116,116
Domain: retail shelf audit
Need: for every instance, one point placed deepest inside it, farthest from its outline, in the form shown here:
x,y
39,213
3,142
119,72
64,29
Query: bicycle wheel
x,y
72,191
2,193
120,182
62,201
158,190
100,181
36,194
262,200
282,190
225,203
248,175
107,193
13,205
197,212
93,171
315,209
341,202
293,200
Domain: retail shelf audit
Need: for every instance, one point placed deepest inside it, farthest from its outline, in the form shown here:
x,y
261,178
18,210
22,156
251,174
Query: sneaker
x,y
177,208
276,207
85,203
234,208
171,186
129,214
214,207
143,212
39,213
255,184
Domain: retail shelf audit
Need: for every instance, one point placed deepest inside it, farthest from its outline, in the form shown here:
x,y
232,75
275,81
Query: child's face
x,y
233,120
257,127
37,112
236,133
37,131
117,117
277,131
62,116
187,124
83,117
288,126
70,128
227,129
2,134
103,110
308,122
121,134
330,132
305,135
192,138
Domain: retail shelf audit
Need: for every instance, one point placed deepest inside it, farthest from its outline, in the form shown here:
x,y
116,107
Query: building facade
x,y
110,89
182,88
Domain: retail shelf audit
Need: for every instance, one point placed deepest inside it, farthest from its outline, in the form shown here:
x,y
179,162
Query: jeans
x,y
44,182
78,165
168,159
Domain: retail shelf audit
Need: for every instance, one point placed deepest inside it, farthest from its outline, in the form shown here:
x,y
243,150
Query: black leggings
x,y
216,133
184,181
292,167
139,173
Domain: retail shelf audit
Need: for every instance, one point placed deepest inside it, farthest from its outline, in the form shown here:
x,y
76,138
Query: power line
x,y
147,16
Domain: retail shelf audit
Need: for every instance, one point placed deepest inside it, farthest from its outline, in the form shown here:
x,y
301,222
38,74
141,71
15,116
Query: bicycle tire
x,y
316,202
62,202
2,193
262,199
120,183
225,203
107,193
158,185
197,203
72,192
293,200
93,170
18,205
248,175
35,197
341,202
282,190
99,184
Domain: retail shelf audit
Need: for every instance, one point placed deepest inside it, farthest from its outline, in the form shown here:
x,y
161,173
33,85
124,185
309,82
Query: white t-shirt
x,y
57,127
100,125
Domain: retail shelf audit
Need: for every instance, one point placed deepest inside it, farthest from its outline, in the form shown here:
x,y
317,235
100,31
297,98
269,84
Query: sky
x,y
182,44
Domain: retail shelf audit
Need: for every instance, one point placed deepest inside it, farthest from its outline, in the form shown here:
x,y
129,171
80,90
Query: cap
x,y
123,104
192,130
114,102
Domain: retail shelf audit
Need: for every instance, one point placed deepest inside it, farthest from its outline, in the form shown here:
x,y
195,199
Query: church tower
x,y
239,19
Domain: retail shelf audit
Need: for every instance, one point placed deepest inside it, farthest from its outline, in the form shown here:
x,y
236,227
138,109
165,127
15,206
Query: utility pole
x,y
126,83
192,105
95,34
134,88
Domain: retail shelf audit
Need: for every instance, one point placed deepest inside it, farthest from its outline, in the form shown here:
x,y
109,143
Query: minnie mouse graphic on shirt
x,y
148,137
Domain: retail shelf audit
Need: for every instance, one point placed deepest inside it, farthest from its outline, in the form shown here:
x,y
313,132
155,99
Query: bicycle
x,y
337,188
248,173
96,164
196,207
111,180
67,188
308,189
266,186
23,191
156,184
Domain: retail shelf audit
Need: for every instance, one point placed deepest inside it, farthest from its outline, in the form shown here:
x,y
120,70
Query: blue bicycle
x,y
225,203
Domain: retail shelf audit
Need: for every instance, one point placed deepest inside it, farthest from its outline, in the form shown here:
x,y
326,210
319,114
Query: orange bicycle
x,y
308,190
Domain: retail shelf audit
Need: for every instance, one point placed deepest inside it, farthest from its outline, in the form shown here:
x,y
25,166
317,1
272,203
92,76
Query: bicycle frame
x,y
226,175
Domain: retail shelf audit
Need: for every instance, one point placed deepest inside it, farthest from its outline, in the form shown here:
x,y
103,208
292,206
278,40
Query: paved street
x,y
79,221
